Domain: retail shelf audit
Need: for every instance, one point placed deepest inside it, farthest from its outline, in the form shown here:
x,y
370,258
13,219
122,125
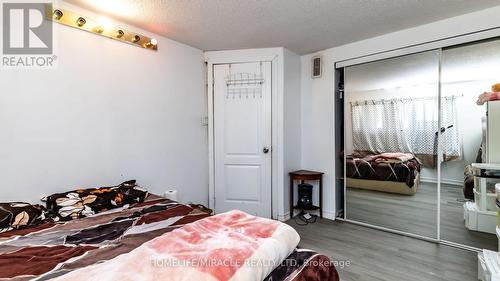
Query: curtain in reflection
x,y
406,125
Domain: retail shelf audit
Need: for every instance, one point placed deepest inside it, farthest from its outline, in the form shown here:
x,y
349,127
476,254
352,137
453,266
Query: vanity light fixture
x,y
102,27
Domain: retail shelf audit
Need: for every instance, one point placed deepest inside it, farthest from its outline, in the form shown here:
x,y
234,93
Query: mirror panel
x,y
391,124
467,72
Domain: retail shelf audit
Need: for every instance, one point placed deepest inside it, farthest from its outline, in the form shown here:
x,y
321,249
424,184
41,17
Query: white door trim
x,y
277,164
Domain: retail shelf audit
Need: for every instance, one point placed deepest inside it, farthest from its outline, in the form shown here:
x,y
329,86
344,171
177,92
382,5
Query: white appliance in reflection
x,y
481,215
488,266
492,132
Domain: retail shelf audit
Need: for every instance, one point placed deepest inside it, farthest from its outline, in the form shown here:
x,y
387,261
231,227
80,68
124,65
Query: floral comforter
x,y
160,239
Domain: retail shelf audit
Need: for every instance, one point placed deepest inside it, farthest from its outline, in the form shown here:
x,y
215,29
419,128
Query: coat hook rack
x,y
244,85
85,23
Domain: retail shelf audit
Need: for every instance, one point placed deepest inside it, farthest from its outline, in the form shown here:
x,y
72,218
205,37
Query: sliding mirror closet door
x,y
391,125
468,209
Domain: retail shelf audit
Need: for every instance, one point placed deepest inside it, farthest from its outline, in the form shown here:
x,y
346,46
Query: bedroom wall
x,y
109,112
318,94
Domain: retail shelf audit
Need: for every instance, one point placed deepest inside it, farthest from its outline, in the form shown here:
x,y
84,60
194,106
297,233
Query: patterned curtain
x,y
406,125
450,139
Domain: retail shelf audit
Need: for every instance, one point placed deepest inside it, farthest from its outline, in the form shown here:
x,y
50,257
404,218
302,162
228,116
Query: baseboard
x,y
445,181
326,215
329,215
284,217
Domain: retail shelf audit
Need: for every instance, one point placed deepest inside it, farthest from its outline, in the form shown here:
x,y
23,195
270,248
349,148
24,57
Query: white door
x,y
242,135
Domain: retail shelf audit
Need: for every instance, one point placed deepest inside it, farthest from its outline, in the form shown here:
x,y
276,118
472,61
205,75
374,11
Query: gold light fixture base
x,y
81,22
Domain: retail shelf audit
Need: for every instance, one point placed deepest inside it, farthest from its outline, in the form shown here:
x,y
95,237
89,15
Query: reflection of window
x,y
405,125
380,115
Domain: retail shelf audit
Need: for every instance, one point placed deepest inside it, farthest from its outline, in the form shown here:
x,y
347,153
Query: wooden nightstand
x,y
305,175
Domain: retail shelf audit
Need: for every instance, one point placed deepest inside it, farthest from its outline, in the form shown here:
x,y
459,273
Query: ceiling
x,y
303,26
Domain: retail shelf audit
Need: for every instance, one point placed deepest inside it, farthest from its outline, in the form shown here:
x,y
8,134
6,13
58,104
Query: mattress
x,y
56,249
368,168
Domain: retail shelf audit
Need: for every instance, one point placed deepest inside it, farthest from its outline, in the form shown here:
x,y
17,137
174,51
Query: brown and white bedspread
x,y
159,240
396,167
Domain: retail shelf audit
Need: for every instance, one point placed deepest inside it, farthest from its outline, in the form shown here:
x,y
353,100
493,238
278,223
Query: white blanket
x,y
230,246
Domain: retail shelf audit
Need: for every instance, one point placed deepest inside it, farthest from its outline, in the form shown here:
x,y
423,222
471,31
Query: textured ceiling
x,y
303,26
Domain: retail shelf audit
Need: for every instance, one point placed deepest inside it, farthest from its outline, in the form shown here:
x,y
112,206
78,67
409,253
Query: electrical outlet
x,y
204,121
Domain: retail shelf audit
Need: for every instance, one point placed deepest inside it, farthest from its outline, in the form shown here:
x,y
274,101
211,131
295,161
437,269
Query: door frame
x,y
277,165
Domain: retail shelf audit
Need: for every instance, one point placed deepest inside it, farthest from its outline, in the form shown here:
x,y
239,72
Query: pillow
x,y
86,202
16,215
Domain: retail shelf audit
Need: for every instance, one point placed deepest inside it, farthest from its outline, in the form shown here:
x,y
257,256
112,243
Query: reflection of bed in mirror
x,y
386,172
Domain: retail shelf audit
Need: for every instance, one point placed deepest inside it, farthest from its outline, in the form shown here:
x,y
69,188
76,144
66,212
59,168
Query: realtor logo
x,y
27,37
26,32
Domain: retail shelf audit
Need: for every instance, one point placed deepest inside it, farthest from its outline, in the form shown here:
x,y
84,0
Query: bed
x,y
152,238
387,172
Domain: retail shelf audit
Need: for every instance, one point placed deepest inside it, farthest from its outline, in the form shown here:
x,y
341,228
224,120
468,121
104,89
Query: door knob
x,y
265,150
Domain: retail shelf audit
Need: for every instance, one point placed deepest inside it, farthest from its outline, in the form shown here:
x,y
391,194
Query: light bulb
x,y
152,43
105,23
58,14
81,21
120,33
